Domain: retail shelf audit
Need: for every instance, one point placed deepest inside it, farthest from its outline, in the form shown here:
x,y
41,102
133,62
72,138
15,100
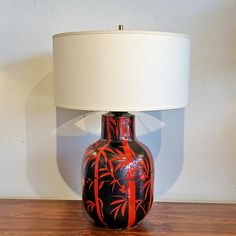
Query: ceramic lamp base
x,y
118,174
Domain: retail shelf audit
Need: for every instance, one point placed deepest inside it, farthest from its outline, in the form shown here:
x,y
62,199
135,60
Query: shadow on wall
x,y
74,134
55,144
42,172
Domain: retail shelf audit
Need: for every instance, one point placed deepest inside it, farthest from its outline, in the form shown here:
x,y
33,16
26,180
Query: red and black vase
x,y
118,174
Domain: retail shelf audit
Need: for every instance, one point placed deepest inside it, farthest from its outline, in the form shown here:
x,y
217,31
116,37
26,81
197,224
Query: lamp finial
x,y
120,27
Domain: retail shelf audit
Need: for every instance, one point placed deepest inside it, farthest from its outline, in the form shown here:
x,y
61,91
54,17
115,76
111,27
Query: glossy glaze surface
x,y
118,174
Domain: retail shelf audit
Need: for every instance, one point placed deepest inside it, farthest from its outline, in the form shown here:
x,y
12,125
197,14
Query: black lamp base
x,y
118,174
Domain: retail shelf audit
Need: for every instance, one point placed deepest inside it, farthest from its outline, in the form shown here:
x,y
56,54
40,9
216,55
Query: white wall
x,y
41,146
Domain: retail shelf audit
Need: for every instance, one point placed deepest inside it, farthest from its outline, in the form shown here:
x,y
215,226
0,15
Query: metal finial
x,y
120,27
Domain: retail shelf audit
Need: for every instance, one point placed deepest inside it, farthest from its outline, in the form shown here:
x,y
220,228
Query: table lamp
x,y
119,71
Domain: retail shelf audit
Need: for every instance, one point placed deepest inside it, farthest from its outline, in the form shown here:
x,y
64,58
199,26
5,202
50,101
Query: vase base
x,y
117,228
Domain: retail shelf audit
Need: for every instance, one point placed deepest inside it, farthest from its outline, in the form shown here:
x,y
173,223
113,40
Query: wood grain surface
x,y
55,217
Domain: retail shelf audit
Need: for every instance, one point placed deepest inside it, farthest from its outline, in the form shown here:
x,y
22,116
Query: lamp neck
x,y
118,126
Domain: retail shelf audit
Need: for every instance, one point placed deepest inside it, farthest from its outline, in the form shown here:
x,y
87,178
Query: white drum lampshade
x,y
121,70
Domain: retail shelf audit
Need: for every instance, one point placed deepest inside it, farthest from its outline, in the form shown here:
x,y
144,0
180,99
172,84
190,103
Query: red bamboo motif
x,y
150,181
114,168
130,184
96,190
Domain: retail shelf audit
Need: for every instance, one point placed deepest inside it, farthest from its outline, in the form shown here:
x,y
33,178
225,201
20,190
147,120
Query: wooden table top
x,y
56,217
